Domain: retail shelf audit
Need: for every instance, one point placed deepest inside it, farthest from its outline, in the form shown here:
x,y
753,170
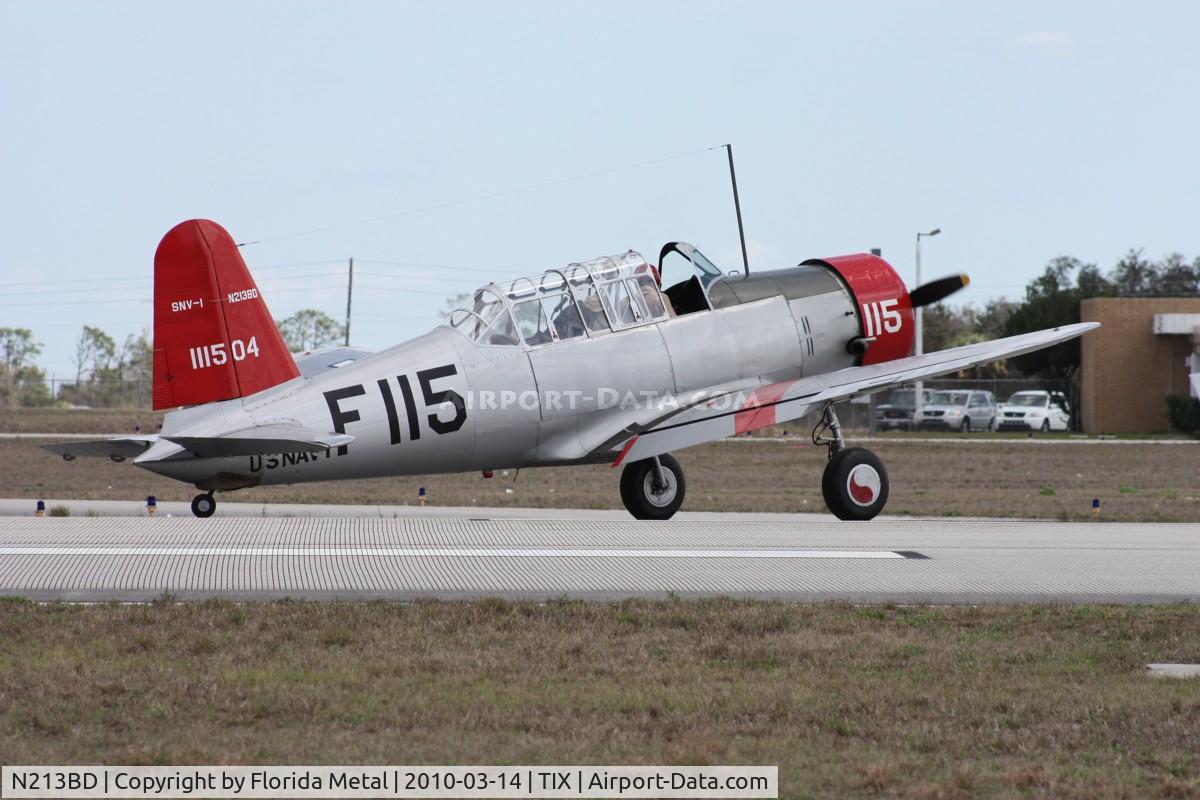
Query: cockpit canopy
x,y
591,298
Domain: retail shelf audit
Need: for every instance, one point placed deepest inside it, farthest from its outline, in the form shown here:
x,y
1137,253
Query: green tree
x,y
95,350
1135,276
309,329
1092,283
20,377
947,326
31,388
136,359
1052,299
1178,278
107,376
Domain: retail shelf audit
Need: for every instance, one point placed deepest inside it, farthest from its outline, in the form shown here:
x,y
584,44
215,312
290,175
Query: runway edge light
x,y
1096,508
421,495
41,509
151,505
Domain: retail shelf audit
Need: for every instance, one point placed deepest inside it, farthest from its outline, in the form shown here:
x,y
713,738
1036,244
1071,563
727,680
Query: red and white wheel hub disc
x,y
863,485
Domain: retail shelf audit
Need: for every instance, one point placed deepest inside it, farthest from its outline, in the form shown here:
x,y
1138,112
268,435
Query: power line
x,y
149,274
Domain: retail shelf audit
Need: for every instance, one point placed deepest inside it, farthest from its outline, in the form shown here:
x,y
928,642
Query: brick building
x,y
1145,349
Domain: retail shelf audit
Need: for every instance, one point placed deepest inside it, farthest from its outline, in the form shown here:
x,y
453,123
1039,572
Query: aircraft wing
x,y
118,448
779,402
260,440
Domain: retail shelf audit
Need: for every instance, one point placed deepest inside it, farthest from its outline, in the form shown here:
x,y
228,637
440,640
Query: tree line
x,y
1051,299
112,374
109,374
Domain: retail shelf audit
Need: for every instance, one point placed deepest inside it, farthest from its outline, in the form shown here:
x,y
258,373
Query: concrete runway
x,y
597,556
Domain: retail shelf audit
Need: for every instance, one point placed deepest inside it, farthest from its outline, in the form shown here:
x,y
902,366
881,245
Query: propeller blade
x,y
937,290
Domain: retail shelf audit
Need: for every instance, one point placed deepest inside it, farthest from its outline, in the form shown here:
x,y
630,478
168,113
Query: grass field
x,y
848,701
1005,479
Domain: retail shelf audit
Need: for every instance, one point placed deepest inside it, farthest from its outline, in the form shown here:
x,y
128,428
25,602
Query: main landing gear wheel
x,y
855,483
651,493
203,505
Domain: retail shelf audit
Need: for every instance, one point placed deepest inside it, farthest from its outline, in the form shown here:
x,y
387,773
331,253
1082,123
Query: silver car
x,y
958,410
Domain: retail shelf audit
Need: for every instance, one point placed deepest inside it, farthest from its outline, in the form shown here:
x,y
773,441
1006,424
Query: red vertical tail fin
x,y
214,338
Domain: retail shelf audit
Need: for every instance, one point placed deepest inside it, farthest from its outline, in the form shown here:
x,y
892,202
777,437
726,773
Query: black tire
x,y
203,505
1045,426
637,489
870,476
966,425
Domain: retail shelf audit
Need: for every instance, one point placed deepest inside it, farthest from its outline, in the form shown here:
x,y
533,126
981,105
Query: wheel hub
x,y
662,496
863,485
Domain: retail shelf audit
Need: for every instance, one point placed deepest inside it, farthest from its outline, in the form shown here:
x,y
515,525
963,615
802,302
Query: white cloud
x,y
1055,43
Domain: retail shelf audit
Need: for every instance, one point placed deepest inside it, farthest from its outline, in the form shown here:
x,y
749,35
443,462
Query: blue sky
x,y
411,133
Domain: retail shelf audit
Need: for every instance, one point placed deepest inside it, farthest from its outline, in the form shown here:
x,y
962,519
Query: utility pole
x,y
349,297
737,206
919,388
872,424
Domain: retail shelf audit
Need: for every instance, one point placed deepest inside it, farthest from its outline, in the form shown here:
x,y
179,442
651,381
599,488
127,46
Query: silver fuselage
x,y
443,403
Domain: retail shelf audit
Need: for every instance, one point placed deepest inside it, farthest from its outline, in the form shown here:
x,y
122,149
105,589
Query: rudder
x,y
214,338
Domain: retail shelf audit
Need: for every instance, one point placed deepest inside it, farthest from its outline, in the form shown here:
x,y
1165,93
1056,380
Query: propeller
x,y
937,290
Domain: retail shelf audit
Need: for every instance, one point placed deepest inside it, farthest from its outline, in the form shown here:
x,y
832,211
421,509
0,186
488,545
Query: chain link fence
x,y
67,393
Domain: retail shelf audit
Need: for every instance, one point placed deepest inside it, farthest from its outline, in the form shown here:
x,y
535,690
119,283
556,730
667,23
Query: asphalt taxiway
x,y
596,555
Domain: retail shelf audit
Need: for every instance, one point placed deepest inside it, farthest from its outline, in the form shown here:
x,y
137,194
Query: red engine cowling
x,y
885,312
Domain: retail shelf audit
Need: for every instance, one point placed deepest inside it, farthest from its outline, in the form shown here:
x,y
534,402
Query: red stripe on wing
x,y
759,409
624,451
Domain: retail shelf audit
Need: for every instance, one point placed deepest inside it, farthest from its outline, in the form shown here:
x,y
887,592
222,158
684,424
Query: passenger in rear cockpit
x,y
593,312
657,303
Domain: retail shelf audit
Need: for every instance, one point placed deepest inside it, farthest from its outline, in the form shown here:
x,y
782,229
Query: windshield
x,y
1022,399
948,399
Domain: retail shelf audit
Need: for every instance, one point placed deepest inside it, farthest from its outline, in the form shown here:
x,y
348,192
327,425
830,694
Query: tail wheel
x,y
648,498
203,505
855,484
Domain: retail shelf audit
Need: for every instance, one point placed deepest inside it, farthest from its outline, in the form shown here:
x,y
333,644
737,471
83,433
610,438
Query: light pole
x,y
919,387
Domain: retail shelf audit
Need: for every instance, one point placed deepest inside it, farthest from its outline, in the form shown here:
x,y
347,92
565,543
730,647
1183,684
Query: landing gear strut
x,y
855,483
203,505
653,488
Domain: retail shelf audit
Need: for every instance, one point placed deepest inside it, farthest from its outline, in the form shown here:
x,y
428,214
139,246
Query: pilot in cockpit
x,y
656,301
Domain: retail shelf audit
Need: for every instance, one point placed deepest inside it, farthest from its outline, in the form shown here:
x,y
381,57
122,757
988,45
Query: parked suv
x,y
897,412
1034,411
958,410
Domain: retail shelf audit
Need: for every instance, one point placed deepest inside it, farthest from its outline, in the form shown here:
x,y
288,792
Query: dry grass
x,y
849,701
58,420
1002,479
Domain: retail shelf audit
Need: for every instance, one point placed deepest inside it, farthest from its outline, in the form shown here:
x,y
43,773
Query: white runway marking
x,y
442,552
408,558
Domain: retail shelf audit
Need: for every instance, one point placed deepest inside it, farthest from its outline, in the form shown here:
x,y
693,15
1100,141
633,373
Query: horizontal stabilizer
x,y
125,447
261,440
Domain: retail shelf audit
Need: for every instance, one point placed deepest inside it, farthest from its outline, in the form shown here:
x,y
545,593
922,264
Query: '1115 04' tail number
x,y
215,355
